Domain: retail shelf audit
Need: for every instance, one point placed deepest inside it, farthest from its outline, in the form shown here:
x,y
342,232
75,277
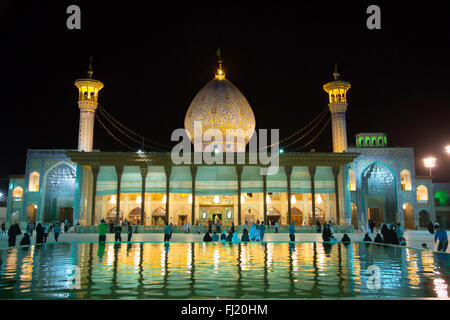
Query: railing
x,y
239,229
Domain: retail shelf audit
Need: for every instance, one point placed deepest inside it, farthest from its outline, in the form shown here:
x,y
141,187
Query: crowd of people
x,y
42,231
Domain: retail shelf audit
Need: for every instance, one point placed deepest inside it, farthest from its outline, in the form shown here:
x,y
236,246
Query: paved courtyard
x,y
414,239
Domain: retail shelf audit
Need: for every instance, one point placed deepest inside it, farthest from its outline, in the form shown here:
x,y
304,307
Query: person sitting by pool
x,y
25,240
402,241
245,237
235,238
394,237
326,233
441,235
207,237
378,239
215,237
223,236
368,238
230,236
346,238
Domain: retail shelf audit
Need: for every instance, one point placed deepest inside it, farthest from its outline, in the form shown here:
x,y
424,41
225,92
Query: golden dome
x,y
220,106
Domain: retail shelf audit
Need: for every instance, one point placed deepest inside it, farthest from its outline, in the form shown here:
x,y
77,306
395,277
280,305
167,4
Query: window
x,y
422,194
17,194
405,178
33,182
352,180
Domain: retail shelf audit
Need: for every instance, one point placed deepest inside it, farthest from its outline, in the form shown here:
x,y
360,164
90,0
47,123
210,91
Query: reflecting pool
x,y
209,270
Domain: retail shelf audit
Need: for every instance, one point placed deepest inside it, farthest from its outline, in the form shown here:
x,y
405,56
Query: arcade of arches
x,y
216,207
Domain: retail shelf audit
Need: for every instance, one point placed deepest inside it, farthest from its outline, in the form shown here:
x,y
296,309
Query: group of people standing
x,y
42,232
116,229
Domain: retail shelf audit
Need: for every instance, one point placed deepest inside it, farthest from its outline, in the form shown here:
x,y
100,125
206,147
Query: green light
x,y
281,150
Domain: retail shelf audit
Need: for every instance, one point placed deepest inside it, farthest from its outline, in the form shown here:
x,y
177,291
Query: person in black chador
x,y
230,236
117,233
393,236
346,238
111,227
207,237
39,233
245,236
367,238
12,234
430,228
378,238
130,232
326,234
384,232
232,228
25,240
209,226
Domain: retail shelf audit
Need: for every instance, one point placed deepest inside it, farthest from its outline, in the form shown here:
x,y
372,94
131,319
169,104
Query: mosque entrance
x,y
379,193
66,214
182,219
297,216
376,214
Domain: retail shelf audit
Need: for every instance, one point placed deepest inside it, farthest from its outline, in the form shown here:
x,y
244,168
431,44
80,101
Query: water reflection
x,y
199,270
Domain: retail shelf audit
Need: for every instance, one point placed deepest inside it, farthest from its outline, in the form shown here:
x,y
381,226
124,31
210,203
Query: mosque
x,y
348,186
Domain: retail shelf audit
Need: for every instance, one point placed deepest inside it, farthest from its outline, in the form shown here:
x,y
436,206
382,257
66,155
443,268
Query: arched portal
x,y
408,214
378,193
135,216
158,216
59,193
297,216
424,219
31,213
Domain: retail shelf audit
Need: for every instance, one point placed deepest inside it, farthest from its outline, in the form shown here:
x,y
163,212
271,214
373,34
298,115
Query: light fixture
x,y
447,149
35,206
139,199
268,199
319,199
216,199
293,199
281,150
164,199
190,198
404,206
113,199
242,198
430,163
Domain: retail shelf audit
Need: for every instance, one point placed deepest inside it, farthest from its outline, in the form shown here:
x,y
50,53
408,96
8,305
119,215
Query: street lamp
x,y
447,149
430,163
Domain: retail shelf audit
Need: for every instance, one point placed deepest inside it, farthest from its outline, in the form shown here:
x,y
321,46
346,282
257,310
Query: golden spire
x,y
335,73
90,71
220,73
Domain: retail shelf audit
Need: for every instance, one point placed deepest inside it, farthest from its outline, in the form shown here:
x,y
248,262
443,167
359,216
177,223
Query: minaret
x,y
87,102
337,91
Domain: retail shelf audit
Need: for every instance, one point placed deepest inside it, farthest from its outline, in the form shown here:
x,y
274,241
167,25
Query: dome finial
x,y
90,71
220,73
335,73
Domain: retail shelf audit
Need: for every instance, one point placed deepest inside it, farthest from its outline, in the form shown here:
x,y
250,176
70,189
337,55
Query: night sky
x,y
154,60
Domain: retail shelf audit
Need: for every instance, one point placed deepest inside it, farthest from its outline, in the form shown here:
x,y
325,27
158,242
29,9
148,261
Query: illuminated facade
x,y
347,186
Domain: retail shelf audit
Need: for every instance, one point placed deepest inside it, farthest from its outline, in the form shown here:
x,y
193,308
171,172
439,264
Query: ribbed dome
x,y
221,106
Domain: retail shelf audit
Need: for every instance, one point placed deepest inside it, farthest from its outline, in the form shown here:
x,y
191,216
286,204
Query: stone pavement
x,y
414,238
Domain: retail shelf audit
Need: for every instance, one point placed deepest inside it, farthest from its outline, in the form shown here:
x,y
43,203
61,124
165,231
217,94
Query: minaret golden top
x,y
220,74
335,73
90,71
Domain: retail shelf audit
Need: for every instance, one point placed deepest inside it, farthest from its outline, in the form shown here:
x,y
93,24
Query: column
x,y
167,170
336,191
119,171
193,175
144,171
312,173
288,170
95,171
265,198
239,204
